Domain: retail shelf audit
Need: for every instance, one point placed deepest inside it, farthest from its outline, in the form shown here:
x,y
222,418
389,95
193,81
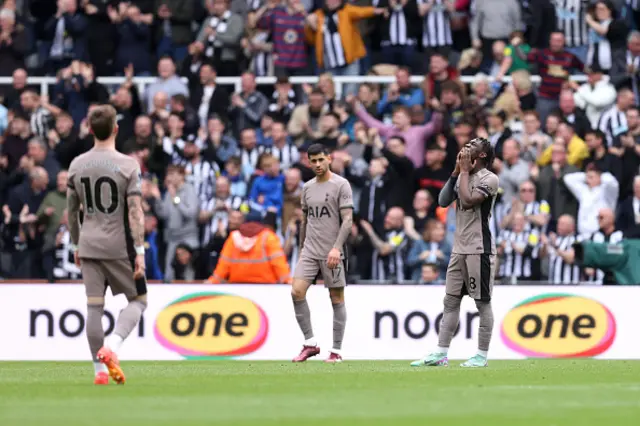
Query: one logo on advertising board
x,y
209,325
559,326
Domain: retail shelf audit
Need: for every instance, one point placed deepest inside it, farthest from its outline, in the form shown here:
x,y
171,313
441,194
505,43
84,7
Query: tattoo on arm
x,y
73,208
303,229
136,219
345,228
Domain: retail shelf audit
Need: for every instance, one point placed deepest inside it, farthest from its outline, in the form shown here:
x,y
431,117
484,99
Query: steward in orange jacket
x,y
252,254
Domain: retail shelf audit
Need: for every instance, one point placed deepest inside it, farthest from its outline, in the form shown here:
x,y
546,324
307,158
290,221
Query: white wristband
x,y
140,250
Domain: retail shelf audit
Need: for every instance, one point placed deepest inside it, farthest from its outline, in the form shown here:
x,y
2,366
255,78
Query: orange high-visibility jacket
x,y
252,254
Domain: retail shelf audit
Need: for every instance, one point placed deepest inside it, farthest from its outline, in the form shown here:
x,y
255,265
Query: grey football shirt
x,y
322,202
473,235
103,179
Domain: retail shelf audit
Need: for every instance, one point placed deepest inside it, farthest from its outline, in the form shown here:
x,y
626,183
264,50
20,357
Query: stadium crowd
x,y
567,153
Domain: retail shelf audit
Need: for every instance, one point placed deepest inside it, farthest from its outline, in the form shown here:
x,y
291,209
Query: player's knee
x,y
451,303
336,295
299,289
483,305
141,301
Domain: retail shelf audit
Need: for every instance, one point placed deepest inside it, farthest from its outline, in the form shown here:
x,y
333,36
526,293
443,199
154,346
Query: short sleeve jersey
x,y
473,234
103,179
322,203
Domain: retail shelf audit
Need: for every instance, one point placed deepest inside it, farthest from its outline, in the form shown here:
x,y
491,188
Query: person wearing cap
x,y
252,254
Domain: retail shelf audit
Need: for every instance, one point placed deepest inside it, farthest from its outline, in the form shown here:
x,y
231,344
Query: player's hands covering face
x,y
466,165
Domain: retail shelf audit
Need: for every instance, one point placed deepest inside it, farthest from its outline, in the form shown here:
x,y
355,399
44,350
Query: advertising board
x,y
254,322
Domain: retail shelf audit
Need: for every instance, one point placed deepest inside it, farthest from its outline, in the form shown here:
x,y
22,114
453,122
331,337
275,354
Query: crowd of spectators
x,y
567,152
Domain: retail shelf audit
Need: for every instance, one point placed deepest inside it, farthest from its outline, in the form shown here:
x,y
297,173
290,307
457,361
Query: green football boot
x,y
432,360
476,361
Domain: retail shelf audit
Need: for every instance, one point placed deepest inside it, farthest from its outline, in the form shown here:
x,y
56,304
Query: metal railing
x,y
143,82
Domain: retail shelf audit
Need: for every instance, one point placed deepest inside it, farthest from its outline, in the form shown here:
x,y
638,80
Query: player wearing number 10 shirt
x,y
472,266
104,186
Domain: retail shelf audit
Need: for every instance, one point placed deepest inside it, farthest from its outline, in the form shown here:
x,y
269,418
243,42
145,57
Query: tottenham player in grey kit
x,y
327,206
109,247
473,260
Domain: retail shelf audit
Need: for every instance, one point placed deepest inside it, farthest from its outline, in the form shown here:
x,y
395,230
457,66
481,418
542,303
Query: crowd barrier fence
x,y
143,82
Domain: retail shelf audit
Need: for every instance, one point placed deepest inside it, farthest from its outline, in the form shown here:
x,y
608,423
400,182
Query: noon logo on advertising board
x,y
559,325
206,325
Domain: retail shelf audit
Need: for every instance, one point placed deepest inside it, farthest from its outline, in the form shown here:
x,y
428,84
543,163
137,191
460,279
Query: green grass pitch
x,y
532,392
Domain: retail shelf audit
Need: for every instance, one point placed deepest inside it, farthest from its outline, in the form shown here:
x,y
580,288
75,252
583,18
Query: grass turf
x,y
540,392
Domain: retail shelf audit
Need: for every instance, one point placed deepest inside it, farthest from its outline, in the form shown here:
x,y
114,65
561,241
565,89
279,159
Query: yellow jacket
x,y
577,152
352,42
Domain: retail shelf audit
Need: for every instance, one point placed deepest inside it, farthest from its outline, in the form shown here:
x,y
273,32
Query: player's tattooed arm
x,y
303,228
345,228
136,219
73,210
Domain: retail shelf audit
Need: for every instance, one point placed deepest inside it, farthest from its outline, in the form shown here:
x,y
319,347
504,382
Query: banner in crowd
x,y
253,322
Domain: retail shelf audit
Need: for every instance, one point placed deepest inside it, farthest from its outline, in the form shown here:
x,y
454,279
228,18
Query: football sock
x,y
95,332
449,323
339,323
100,367
303,315
486,326
127,321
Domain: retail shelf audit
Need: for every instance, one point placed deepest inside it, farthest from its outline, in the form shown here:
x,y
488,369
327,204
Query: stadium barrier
x,y
143,82
256,322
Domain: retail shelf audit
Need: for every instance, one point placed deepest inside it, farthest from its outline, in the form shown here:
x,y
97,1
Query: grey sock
x,y
450,320
95,332
303,315
339,323
486,324
129,318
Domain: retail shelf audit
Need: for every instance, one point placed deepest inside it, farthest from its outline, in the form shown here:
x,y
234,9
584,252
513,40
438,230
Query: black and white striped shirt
x,y
232,202
436,30
391,267
532,209
561,272
334,56
613,123
600,276
65,267
41,122
398,28
201,174
249,161
571,20
525,265
288,155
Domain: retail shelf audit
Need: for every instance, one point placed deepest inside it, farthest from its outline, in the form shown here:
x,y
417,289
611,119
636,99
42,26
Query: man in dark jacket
x,y
24,201
173,28
67,33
